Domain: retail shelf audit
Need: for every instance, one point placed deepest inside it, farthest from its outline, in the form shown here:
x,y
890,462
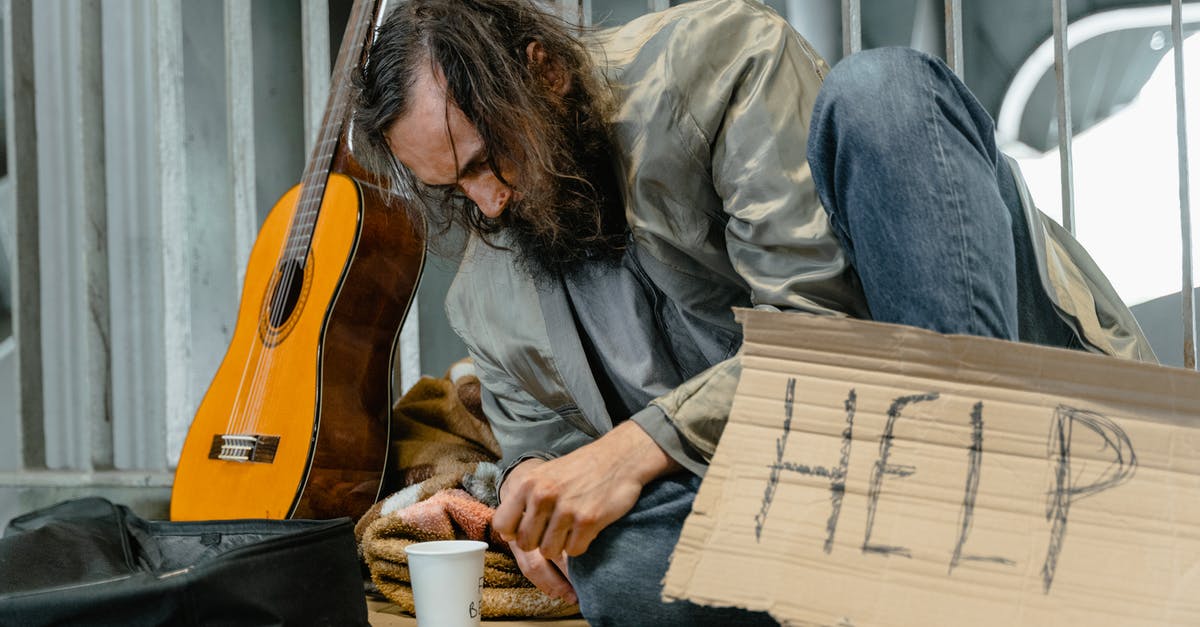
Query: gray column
x,y
239,105
173,203
74,248
221,215
21,139
279,126
314,26
137,276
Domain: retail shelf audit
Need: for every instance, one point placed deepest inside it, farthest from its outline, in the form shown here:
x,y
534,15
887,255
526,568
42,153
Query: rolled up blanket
x,y
445,489
450,515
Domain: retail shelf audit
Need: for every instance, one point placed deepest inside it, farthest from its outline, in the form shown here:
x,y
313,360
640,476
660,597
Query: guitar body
x,y
296,420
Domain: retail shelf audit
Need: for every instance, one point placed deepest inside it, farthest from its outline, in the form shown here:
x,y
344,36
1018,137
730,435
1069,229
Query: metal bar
x,y
1061,73
585,13
27,310
927,29
658,5
239,107
1185,211
173,204
851,27
954,35
819,22
314,27
568,10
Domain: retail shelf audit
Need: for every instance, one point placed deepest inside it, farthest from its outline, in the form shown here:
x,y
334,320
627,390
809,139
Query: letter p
x,y
1113,444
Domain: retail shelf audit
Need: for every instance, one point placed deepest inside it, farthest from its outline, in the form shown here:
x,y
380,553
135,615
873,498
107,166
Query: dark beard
x,y
590,225
594,232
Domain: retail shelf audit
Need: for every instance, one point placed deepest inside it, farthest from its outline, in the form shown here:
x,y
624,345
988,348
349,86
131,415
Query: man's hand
x,y
550,576
559,506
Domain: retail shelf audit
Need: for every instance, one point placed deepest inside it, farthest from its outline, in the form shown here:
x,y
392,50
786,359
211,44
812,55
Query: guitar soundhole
x,y
283,299
289,285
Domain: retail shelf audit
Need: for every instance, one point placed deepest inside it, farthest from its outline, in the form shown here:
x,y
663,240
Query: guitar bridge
x,y
244,448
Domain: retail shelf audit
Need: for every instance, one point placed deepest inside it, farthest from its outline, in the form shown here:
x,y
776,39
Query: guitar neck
x,y
320,161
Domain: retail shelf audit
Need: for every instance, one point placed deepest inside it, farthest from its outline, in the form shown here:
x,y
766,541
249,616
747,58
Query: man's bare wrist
x,y
516,471
648,461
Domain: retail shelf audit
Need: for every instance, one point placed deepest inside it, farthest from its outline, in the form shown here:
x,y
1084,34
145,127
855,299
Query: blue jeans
x,y
619,578
905,162
927,211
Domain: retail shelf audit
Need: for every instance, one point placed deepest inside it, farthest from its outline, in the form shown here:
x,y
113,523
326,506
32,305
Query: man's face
x,y
554,218
437,143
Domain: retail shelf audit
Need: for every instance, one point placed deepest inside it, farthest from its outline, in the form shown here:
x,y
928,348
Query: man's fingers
x,y
544,574
561,562
507,517
555,537
538,509
579,539
513,496
588,524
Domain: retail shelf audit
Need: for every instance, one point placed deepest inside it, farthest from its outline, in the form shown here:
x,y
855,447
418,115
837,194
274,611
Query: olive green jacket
x,y
711,127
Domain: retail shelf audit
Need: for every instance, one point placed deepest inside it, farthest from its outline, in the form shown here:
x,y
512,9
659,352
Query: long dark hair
x,y
480,47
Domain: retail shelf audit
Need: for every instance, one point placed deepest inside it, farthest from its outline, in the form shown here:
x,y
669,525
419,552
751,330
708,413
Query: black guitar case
x,y
90,562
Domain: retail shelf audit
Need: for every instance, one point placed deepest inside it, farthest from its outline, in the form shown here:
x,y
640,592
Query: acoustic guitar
x,y
296,420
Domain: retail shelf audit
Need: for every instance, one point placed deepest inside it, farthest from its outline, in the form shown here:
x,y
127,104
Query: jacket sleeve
x,y
524,428
777,234
753,114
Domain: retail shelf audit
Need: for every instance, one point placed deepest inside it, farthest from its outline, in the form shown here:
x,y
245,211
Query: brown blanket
x,y
444,478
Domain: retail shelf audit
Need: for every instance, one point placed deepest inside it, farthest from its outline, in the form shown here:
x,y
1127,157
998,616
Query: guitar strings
x,y
245,418
261,383
296,251
242,420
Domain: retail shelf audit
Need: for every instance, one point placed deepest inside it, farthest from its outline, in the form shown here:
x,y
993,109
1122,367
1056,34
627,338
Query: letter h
x,y
836,475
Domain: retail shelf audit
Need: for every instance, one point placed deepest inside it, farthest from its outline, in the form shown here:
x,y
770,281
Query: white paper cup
x,y
447,582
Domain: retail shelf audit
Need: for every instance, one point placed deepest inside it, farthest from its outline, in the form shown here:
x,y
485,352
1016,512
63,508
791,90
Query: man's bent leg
x,y
905,162
619,578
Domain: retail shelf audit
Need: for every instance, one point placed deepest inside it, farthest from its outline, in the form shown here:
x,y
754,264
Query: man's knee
x,y
869,89
892,104
875,75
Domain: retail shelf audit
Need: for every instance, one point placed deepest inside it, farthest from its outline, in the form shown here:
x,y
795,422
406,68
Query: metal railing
x,y
852,42
1185,210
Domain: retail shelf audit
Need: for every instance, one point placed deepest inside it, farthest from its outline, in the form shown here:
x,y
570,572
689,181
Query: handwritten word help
x,y
1066,488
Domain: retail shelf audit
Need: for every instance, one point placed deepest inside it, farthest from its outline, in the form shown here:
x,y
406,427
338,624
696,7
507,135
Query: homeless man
x,y
624,191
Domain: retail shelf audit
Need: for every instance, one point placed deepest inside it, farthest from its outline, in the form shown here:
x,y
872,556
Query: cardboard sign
x,y
875,474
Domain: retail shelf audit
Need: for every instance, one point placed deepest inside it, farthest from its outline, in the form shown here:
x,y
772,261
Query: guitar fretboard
x,y
316,170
